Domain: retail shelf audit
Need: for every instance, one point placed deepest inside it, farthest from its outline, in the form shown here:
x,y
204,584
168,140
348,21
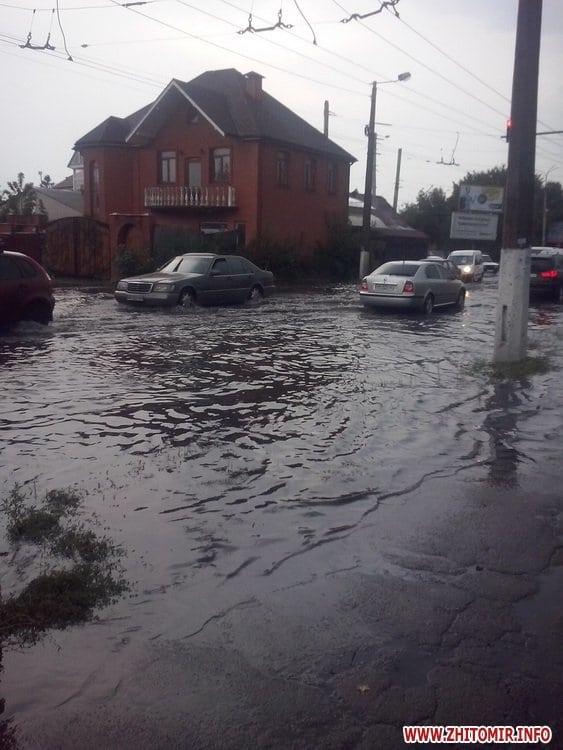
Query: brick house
x,y
215,154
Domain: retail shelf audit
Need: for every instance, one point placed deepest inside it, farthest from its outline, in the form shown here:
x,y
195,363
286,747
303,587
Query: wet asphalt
x,y
334,522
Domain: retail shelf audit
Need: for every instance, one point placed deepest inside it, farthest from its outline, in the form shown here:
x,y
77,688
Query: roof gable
x,y
222,97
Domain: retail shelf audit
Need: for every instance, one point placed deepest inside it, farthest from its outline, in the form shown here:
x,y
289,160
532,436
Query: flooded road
x,y
258,465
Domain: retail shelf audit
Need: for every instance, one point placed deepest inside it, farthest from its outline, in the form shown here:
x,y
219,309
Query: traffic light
x,y
508,129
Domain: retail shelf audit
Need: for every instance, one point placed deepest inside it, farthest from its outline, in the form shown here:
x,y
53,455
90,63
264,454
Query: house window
x,y
221,165
282,169
94,189
331,178
310,174
167,167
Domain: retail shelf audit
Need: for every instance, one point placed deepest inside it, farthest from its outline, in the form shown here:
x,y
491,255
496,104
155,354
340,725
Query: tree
x,y
46,182
431,212
20,199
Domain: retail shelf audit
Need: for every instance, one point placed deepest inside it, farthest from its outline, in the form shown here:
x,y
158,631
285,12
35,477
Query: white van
x,y
469,262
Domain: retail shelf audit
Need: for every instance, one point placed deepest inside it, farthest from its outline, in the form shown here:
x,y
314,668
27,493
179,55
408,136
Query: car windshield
x,y
396,269
462,260
195,264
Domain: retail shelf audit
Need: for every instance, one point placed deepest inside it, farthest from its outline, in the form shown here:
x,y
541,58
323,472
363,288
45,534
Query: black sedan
x,y
198,278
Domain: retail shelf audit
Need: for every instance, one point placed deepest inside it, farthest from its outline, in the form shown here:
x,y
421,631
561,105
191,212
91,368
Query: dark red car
x,y
26,290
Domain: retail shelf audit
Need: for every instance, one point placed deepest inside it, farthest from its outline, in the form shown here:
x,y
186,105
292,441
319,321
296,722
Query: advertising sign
x,y
473,226
479,198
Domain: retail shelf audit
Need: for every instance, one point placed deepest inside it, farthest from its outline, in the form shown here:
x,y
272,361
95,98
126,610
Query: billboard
x,y
473,226
480,198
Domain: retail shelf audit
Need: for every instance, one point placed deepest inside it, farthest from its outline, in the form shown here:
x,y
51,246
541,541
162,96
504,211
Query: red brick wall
x,y
294,214
283,214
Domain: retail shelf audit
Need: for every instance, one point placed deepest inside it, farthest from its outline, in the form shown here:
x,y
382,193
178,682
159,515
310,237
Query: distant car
x,y
489,265
198,278
412,285
546,275
469,262
26,290
447,264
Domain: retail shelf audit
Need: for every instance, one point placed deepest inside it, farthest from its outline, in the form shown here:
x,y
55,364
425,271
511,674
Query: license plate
x,y
135,297
533,276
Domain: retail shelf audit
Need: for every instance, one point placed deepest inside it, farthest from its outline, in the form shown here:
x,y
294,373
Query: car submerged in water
x,y
198,278
419,285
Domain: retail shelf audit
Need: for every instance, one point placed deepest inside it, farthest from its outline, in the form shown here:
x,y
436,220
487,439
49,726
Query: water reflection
x,y
501,423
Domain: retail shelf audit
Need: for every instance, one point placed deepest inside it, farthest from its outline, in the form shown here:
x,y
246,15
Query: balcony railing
x,y
213,196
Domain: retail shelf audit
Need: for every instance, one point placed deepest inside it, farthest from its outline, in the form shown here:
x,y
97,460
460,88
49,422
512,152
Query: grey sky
x,y
50,102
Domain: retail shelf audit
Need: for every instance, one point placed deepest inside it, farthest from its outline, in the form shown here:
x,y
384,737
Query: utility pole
x,y
366,216
326,116
397,178
514,282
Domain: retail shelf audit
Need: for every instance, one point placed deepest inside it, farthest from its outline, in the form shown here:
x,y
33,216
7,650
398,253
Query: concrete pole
x,y
368,188
397,178
544,216
326,114
514,281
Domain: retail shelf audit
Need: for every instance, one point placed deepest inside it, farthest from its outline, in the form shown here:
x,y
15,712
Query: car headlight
x,y
163,286
466,269
121,285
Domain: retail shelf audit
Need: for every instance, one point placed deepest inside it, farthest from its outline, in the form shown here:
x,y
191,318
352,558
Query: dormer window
x,y
167,167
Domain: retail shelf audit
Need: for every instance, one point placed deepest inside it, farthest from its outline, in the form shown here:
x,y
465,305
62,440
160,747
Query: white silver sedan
x,y
412,285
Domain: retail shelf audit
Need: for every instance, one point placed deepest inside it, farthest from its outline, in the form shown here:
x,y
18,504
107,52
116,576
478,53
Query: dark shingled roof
x,y
112,131
222,95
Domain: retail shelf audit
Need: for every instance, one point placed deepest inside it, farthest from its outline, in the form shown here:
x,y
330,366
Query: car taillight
x,y
408,287
548,274
364,286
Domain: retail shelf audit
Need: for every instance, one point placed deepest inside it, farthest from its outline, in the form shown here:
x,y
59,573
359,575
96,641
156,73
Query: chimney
x,y
254,85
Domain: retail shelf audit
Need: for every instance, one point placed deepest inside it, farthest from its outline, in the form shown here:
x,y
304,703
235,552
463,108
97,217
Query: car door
x,y
242,278
12,290
436,282
220,286
453,286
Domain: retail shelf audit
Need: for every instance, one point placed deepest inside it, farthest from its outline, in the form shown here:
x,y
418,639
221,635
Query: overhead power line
x,y
424,65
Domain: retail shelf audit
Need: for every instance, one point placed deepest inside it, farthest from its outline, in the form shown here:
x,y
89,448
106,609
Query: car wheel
x,y
256,295
460,302
428,305
187,299
38,312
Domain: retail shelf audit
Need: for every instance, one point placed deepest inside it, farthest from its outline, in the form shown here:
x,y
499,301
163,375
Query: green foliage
x,y
523,369
20,198
132,262
62,596
283,259
56,600
431,211
339,259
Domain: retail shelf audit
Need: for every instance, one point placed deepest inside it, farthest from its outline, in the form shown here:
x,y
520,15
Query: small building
x,y
391,238
215,154
60,203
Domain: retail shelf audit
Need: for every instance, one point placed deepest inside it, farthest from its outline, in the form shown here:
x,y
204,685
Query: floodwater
x,y
223,447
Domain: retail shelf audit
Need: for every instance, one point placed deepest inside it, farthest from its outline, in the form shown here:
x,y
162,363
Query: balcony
x,y
210,197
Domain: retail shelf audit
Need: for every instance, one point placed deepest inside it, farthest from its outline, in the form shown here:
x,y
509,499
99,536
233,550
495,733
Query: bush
x,y
132,262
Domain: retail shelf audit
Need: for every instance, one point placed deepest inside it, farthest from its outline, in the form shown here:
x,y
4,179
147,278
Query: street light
x,y
544,216
370,186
